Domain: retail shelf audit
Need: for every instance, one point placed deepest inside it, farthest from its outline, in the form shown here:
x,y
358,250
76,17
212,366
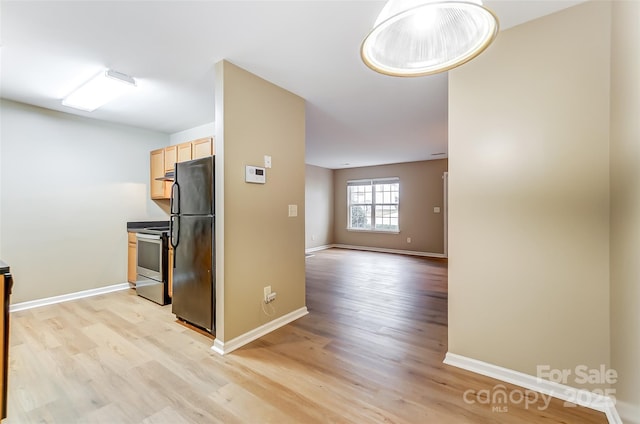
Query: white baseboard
x,y
223,348
630,414
318,248
376,249
66,297
384,250
560,391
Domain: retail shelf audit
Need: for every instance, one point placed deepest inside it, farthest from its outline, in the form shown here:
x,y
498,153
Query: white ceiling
x,y
311,48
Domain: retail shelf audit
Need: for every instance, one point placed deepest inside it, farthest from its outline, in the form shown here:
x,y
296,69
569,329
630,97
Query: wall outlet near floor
x,y
267,293
269,296
408,239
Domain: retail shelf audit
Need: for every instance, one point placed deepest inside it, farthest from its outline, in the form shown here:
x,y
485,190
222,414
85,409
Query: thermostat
x,y
254,174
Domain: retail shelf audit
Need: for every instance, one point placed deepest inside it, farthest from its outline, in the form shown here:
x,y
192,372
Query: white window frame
x,y
372,182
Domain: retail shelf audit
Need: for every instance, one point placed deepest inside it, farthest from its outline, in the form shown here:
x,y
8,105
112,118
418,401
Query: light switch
x,y
267,161
436,209
293,210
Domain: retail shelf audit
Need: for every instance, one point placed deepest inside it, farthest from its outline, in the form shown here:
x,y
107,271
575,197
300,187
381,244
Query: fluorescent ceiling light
x,y
102,88
423,37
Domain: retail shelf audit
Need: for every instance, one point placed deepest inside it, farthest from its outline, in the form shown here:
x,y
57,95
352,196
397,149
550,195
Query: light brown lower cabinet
x,y
132,255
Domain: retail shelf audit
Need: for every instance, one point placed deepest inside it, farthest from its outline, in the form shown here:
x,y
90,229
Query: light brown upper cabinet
x,y
202,147
170,158
158,189
184,152
164,160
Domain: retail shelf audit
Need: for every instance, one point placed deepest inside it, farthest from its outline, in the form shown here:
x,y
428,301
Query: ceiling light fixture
x,y
424,37
102,88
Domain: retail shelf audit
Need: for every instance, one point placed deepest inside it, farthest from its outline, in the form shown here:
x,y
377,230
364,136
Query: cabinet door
x,y
170,271
184,152
157,188
201,148
170,158
132,258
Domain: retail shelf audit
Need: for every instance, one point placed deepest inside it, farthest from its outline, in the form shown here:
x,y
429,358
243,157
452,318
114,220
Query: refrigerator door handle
x,y
175,198
174,231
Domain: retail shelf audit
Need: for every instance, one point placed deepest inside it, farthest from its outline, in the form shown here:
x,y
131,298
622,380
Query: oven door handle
x,y
148,236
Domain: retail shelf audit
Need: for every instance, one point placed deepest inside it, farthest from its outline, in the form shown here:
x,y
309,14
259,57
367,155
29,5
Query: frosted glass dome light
x,y
423,37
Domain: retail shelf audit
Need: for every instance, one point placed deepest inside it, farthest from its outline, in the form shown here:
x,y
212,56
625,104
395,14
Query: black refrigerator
x,y
6,283
193,241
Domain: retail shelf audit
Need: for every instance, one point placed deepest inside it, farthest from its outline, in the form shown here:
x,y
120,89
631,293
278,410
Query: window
x,y
373,204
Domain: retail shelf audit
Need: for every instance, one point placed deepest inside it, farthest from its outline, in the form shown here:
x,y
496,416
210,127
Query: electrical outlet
x,y
293,210
267,293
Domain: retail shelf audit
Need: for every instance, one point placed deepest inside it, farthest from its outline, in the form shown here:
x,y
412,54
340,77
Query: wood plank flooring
x,y
370,351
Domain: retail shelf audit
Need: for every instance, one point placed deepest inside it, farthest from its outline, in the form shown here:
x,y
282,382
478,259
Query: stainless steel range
x,y
152,260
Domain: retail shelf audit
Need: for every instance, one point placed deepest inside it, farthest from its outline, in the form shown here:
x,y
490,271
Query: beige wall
x,y
318,206
421,189
262,245
528,196
68,186
625,203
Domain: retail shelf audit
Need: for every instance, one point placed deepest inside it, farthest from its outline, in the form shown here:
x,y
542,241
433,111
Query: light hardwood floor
x,y
370,351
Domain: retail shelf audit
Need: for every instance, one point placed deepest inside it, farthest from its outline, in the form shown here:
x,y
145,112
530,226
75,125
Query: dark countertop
x,y
4,268
141,225
149,227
